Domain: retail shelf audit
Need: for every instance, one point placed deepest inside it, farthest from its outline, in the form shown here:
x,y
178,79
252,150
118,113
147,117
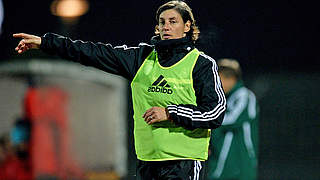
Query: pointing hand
x,y
28,42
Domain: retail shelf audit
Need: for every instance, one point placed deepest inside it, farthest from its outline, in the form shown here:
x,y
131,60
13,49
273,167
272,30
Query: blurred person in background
x,y
176,90
234,151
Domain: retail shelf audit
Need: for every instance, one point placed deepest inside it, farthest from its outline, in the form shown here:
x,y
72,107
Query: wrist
x,y
168,115
39,41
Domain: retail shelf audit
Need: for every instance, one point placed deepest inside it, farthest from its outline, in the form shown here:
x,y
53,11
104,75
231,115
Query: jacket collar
x,y
172,45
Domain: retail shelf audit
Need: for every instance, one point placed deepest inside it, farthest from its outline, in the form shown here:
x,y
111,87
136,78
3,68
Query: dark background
x,y
275,41
262,35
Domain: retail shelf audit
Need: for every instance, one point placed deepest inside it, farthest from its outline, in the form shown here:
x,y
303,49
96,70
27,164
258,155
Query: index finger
x,y
20,35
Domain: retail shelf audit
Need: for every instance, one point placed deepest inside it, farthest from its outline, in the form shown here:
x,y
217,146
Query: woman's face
x,y
171,25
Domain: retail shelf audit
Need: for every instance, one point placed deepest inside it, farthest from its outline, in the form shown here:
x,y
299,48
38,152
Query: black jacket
x,y
125,61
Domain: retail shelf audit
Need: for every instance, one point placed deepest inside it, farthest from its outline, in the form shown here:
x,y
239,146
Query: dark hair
x,y
186,13
229,68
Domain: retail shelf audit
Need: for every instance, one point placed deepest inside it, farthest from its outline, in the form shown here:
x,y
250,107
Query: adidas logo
x,y
160,85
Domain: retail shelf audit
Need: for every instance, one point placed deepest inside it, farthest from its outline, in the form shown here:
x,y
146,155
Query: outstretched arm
x,y
27,42
119,60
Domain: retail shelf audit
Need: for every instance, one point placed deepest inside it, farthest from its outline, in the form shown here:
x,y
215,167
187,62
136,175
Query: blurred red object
x,y
14,168
46,108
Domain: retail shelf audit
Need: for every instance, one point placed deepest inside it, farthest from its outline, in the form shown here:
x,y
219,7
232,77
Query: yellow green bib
x,y
155,85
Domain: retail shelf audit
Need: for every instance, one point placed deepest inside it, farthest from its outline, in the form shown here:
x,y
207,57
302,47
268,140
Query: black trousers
x,y
171,170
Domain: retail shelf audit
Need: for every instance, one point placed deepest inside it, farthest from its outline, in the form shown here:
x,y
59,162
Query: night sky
x,y
263,35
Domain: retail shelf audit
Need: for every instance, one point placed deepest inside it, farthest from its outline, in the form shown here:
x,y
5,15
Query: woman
x,y
176,91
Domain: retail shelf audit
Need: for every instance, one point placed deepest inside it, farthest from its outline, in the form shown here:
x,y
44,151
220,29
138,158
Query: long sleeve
x,y
119,60
242,106
211,102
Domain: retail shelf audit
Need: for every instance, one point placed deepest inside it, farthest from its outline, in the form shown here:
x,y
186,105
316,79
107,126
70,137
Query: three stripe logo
x,y
160,85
